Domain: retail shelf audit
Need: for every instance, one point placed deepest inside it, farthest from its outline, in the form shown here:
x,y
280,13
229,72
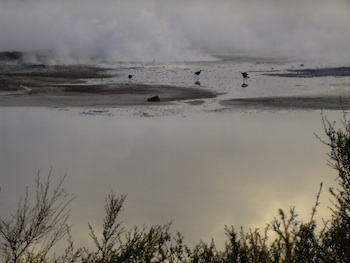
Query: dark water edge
x,y
311,73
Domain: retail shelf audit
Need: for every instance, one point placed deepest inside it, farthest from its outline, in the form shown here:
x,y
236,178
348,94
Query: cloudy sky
x,y
176,30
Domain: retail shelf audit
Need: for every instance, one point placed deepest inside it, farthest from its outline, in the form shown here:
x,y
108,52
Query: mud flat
x,y
68,86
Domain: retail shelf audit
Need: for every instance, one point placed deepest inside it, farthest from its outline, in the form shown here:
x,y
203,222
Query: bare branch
x,y
34,229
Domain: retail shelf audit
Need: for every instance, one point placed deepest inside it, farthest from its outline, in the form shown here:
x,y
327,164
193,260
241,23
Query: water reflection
x,y
197,83
202,171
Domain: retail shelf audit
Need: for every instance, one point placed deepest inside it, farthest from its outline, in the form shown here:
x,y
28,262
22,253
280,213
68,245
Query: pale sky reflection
x,y
202,171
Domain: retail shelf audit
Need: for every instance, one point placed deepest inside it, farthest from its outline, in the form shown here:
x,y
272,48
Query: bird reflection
x,y
197,83
244,85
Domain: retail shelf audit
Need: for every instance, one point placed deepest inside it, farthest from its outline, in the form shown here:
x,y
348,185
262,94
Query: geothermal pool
x,y
200,165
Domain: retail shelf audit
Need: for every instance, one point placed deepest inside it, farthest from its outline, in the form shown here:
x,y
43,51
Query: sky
x,y
175,30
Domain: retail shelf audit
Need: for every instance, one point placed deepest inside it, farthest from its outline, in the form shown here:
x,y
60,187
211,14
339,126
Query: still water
x,y
202,171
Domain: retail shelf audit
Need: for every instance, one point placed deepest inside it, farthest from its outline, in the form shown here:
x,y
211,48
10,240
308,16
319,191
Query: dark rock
x,y
155,98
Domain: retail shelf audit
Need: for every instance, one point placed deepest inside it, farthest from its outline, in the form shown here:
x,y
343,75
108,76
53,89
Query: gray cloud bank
x,y
176,30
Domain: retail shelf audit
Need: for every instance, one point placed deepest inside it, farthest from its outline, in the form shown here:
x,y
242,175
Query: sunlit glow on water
x,y
202,171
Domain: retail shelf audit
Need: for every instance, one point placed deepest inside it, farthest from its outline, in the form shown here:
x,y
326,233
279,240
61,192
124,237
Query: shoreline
x,y
327,102
24,85
101,95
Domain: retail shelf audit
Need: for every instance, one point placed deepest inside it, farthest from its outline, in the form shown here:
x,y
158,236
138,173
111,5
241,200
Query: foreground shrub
x,y
336,238
118,245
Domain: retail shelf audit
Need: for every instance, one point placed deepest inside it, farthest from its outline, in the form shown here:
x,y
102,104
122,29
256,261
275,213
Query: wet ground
x,y
272,83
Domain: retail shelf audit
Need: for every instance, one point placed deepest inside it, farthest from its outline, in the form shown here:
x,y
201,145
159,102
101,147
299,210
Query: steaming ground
x,y
156,42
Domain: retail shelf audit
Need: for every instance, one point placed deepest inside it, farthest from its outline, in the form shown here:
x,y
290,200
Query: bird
x,y
130,76
245,75
198,72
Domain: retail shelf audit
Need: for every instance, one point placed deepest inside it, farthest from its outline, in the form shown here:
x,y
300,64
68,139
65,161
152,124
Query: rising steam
x,y
74,31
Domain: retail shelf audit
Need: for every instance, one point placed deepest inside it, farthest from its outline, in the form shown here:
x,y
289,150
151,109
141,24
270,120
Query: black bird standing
x,y
198,72
130,76
245,75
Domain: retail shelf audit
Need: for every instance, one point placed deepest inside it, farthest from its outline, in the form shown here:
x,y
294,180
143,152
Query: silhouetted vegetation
x,y
34,229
